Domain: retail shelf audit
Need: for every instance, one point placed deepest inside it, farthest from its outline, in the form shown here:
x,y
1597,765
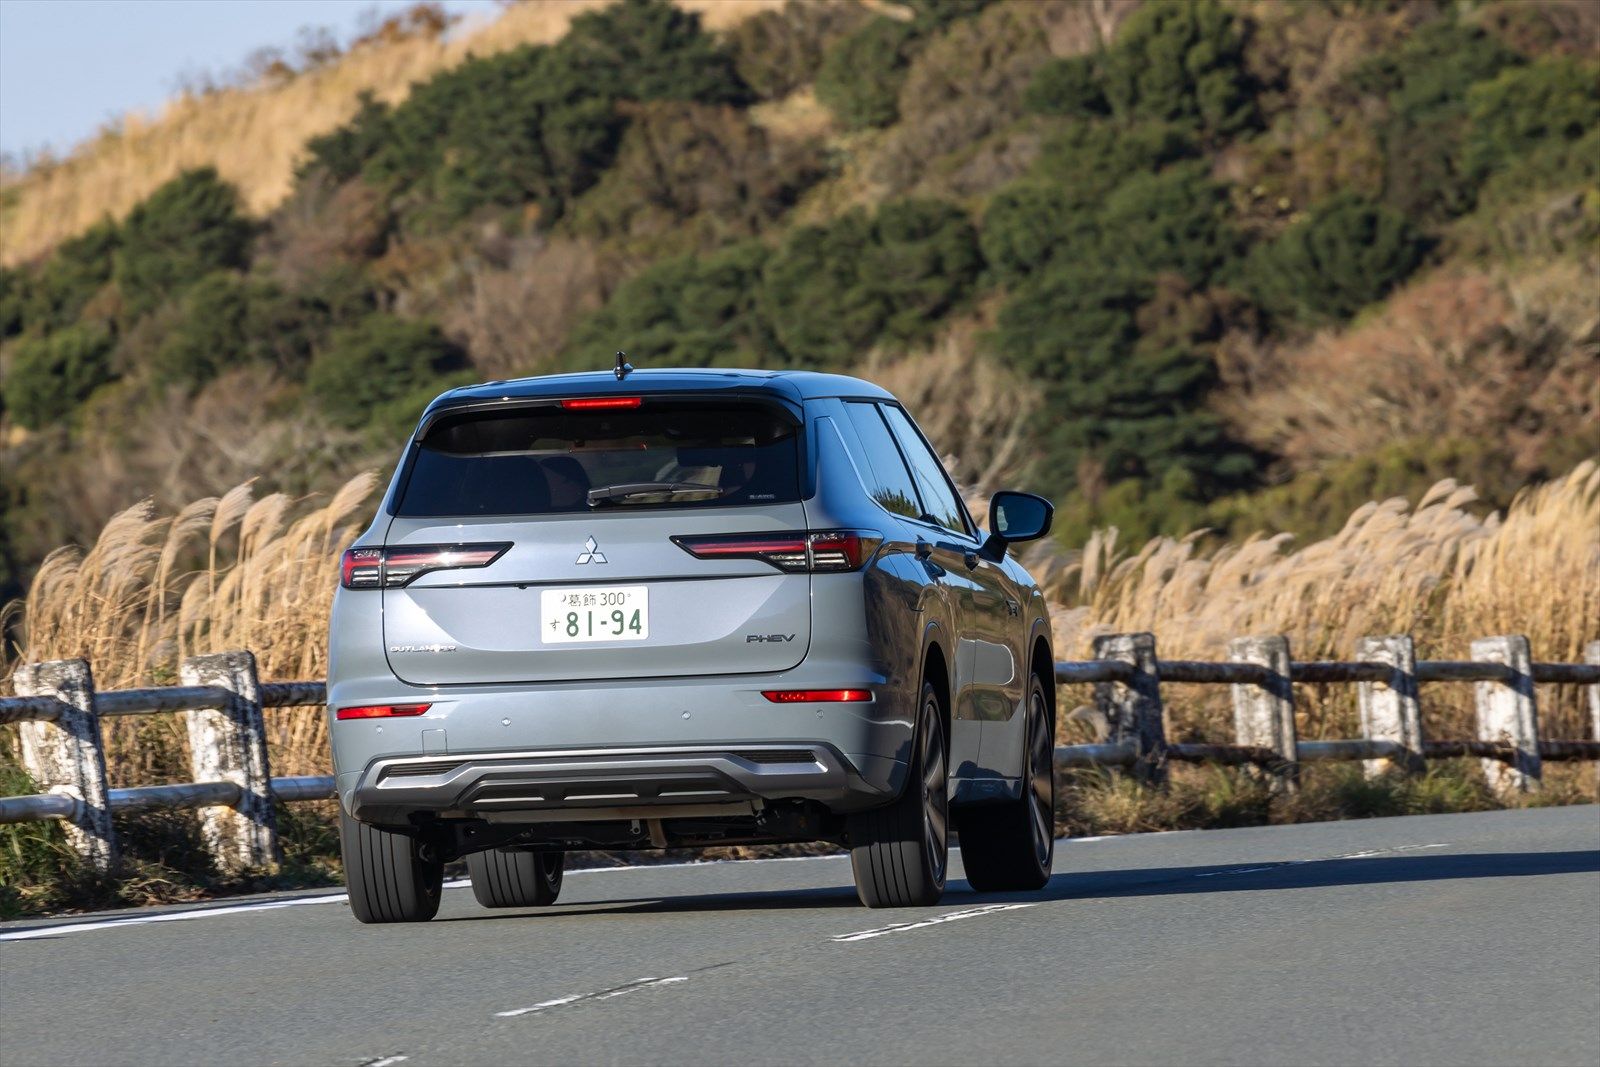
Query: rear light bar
x,y
817,696
395,566
798,552
381,711
601,403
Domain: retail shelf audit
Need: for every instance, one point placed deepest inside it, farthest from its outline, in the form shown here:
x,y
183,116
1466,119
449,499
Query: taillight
x,y
601,403
822,550
817,696
381,711
378,568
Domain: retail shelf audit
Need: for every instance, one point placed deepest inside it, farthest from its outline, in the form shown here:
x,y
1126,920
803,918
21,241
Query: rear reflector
x,y
824,550
817,696
381,711
601,403
377,568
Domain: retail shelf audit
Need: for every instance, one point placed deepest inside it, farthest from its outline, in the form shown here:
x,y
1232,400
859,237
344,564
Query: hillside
x,y
1224,264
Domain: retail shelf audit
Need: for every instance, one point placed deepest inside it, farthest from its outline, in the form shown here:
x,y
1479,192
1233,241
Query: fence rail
x,y
58,713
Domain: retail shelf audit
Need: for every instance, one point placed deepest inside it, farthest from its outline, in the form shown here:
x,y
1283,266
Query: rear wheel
x,y
389,879
502,878
898,853
1010,846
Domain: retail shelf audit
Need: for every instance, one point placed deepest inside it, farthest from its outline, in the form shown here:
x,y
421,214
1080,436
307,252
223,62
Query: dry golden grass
x,y
235,572
223,573
253,134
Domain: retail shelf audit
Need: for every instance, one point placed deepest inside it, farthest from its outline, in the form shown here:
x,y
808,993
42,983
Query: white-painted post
x,y
229,744
1591,654
68,755
1390,710
1133,708
1506,713
1263,714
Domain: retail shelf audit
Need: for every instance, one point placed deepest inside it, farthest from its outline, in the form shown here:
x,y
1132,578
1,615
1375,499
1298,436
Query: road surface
x,y
1456,939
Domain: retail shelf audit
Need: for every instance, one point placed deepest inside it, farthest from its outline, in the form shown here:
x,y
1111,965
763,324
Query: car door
x,y
992,677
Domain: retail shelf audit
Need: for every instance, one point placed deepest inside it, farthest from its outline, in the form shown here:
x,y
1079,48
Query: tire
x,y
899,853
503,878
388,880
1010,847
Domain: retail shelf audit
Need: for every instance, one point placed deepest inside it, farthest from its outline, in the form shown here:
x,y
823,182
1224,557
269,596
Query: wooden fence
x,y
58,713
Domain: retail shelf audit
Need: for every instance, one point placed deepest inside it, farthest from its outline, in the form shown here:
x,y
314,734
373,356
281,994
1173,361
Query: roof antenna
x,y
623,367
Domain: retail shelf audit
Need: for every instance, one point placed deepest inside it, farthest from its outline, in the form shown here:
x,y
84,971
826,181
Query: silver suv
x,y
680,609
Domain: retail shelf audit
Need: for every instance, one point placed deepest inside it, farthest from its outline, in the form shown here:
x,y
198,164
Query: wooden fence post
x,y
1506,713
229,744
1591,654
68,755
1263,714
1133,709
1390,710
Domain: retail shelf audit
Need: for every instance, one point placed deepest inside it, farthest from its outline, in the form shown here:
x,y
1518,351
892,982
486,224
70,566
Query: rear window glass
x,y
539,461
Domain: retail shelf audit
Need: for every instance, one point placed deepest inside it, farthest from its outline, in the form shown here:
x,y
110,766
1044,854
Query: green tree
x,y
689,311
375,362
1073,87
1348,253
649,50
183,231
1182,61
63,286
51,375
342,152
832,292
228,320
1539,121
861,75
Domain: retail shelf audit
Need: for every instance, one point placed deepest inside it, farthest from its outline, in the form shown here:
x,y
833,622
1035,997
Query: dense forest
x,y
1224,264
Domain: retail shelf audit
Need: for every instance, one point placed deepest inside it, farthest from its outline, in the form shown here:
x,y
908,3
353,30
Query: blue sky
x,y
69,66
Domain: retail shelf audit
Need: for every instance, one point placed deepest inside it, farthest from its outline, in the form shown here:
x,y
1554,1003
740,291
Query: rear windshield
x,y
540,461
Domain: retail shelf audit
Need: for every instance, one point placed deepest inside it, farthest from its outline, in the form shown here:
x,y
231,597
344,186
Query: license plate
x,y
596,613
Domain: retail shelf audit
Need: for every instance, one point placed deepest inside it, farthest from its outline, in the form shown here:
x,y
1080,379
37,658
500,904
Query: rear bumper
x,y
612,783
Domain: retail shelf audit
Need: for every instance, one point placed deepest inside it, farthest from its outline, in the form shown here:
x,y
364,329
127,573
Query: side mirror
x,y
1015,517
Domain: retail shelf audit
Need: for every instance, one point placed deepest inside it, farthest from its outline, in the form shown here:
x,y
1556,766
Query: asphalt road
x,y
1449,939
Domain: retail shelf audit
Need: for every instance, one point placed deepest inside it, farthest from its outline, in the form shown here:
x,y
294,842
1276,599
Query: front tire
x,y
503,878
899,853
1010,847
388,878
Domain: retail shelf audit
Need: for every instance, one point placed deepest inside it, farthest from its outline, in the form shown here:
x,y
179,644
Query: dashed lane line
x,y
937,920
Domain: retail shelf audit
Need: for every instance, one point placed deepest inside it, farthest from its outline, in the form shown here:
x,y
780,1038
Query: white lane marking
x,y
386,1061
1366,854
604,994
947,917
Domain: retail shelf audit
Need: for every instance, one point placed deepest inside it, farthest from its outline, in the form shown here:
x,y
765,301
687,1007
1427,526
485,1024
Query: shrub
x,y
1028,222
343,152
53,374
1534,118
1346,254
1072,86
1091,159
227,321
78,269
681,162
777,52
684,312
376,362
1125,368
833,291
861,74
13,297
648,50
1425,80
1182,62
186,229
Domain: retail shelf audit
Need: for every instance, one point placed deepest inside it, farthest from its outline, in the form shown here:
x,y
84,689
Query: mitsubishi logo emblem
x,y
591,552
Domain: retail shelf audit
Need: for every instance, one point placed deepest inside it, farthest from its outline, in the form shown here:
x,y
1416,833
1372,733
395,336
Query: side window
x,y
888,480
932,482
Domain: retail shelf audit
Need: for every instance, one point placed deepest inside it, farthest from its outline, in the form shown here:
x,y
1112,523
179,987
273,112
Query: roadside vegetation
x,y
1293,309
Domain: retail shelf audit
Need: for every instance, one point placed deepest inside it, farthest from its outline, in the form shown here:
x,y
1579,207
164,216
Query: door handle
x,y
971,558
924,549
1013,607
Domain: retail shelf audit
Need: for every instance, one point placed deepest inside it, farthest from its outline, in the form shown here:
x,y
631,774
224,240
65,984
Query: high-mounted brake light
x,y
816,551
390,568
381,711
817,696
601,403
